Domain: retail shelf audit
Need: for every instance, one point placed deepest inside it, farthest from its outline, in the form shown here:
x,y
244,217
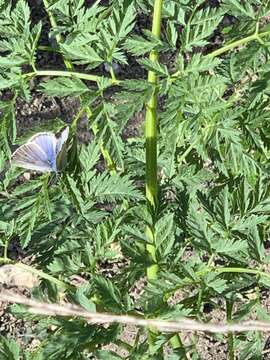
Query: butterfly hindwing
x,y
62,140
61,149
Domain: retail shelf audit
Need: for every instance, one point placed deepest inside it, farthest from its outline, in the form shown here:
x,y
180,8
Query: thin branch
x,y
72,74
184,324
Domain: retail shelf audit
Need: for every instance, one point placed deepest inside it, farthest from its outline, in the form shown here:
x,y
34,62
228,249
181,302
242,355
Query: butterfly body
x,y
43,152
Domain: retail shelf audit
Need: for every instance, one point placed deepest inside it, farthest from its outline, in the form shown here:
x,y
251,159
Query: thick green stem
x,y
151,141
151,156
151,122
151,118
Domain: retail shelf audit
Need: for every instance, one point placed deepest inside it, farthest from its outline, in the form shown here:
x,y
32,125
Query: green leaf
x,y
66,264
84,301
113,188
216,283
137,45
122,20
239,8
28,221
8,62
201,27
230,247
89,156
197,64
64,87
136,234
109,132
156,67
81,52
109,294
256,246
9,349
18,39
74,193
164,234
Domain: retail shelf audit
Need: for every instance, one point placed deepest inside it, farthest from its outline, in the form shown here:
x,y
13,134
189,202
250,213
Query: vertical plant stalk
x,y
151,122
151,142
151,156
106,156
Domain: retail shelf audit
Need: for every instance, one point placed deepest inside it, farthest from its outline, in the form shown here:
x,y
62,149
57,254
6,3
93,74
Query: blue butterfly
x,y
44,152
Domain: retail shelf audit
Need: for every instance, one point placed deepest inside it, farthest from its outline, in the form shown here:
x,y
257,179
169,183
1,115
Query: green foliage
x,y
90,225
200,27
138,45
64,87
9,349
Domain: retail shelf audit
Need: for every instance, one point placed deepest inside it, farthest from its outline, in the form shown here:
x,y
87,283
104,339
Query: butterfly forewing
x,y
31,156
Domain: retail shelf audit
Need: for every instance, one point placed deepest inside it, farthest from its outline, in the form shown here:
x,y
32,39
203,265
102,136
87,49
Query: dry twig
x,y
184,324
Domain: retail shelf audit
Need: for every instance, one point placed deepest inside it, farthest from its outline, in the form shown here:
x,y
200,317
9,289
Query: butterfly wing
x,y
41,152
61,149
31,156
62,140
47,142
